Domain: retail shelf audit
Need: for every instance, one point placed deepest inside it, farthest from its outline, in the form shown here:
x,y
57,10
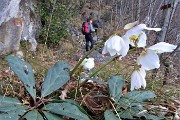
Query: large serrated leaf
x,y
126,114
70,101
11,108
132,103
108,115
141,96
24,72
115,84
76,104
51,116
56,77
66,109
149,116
33,115
135,98
130,112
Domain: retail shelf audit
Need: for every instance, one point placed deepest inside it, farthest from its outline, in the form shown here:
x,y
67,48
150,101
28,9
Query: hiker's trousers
x,y
89,38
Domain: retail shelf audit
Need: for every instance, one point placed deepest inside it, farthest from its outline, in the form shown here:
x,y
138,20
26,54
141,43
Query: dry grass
x,y
45,57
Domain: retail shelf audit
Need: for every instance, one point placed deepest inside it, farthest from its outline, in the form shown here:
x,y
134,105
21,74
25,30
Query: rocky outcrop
x,y
18,21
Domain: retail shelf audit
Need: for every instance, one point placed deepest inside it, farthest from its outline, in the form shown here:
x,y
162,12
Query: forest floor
x,y
167,95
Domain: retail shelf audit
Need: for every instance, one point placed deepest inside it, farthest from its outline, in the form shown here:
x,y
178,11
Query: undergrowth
x,y
42,60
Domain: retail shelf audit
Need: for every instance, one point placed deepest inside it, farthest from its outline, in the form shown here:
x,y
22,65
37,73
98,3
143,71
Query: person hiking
x,y
87,34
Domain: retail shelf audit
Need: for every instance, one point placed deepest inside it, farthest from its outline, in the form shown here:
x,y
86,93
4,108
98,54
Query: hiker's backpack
x,y
85,28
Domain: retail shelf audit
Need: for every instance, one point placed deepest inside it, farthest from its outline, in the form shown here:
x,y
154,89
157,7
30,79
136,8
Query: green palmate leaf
x,y
115,85
130,112
140,96
135,112
149,116
11,108
51,116
70,101
135,98
76,104
132,102
66,109
56,77
24,72
126,114
33,115
108,115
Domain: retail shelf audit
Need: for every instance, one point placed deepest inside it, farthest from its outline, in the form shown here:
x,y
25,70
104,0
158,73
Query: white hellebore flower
x,y
88,63
116,45
138,79
149,59
137,36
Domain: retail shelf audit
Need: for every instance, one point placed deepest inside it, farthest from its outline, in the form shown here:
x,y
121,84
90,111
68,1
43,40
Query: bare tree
x,y
168,10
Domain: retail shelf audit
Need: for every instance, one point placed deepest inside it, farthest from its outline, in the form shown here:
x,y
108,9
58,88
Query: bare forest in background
x,y
154,13
117,13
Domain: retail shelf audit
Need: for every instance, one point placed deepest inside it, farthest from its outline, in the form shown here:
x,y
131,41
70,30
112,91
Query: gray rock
x,y
10,35
18,21
98,57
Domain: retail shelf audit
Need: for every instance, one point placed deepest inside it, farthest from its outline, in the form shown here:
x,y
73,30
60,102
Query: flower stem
x,y
89,52
104,65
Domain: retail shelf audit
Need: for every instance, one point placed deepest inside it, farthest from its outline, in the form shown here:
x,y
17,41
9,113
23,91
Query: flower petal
x,y
114,45
142,40
142,72
138,79
112,52
149,60
84,61
104,51
135,30
162,47
89,64
143,83
130,25
124,48
155,29
107,48
126,41
135,81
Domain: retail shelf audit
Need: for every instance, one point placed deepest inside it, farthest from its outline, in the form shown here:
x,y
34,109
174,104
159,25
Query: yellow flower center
x,y
133,38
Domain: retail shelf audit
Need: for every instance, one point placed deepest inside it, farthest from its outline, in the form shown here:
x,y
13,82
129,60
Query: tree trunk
x,y
168,10
139,10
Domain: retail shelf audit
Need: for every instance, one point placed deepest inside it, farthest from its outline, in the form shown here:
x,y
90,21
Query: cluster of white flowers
x,y
135,36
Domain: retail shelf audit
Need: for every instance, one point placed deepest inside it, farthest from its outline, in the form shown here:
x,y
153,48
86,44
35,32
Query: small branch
x,y
47,35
